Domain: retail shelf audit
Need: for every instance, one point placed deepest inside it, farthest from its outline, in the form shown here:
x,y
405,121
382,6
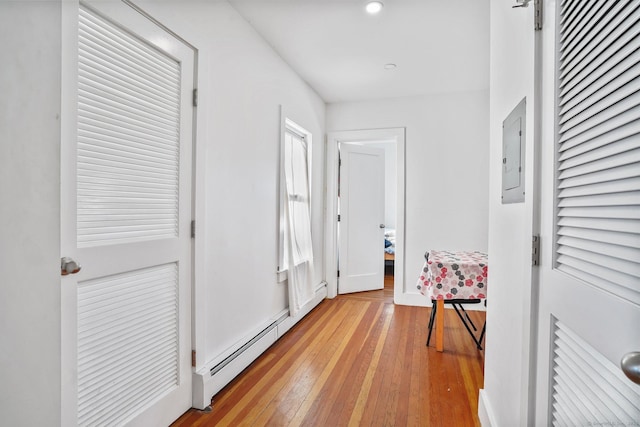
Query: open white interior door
x,y
126,190
589,314
361,226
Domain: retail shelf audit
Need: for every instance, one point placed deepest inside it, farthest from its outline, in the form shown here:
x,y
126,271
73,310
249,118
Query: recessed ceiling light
x,y
390,66
374,7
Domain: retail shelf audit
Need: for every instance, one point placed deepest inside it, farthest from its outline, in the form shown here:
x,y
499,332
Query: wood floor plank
x,y
341,379
355,417
357,360
336,354
272,382
249,385
357,333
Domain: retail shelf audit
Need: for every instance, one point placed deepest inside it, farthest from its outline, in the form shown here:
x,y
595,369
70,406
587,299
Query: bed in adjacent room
x,y
389,250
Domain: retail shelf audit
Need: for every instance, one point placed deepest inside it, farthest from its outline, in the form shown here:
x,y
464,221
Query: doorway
x,y
394,140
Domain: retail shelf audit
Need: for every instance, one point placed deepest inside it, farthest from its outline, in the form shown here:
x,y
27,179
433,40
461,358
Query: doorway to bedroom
x,y
365,215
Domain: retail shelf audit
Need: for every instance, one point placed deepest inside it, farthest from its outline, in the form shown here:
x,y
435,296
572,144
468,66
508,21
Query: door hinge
x,y
193,358
338,217
339,162
193,228
537,10
195,97
535,250
338,273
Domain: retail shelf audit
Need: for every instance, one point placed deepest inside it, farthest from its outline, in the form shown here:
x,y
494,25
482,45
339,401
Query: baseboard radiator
x,y
214,376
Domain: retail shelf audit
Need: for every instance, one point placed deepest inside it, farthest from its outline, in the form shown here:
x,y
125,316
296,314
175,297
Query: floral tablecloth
x,y
454,275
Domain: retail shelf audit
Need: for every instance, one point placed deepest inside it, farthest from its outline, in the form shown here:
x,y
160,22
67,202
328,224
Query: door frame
x,y
394,135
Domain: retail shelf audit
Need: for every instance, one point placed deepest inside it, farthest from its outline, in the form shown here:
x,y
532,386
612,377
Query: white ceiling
x,y
439,46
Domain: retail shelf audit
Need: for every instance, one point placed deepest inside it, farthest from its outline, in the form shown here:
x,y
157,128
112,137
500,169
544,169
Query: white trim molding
x,y
485,414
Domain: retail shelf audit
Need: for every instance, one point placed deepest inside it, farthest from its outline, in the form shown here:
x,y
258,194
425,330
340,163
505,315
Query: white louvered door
x,y
589,308
126,315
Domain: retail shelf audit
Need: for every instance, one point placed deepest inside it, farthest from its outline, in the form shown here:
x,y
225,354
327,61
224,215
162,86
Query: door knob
x,y
381,225
69,266
630,364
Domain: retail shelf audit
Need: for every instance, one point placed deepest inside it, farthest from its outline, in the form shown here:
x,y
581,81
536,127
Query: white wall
x,y
506,385
447,179
242,83
30,213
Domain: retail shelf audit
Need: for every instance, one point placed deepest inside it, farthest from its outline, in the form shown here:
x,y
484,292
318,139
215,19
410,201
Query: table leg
x,y
440,325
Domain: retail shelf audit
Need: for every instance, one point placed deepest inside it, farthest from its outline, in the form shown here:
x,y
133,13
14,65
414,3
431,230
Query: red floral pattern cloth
x,y
454,275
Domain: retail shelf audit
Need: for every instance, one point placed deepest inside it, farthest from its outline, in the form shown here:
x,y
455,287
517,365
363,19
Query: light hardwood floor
x,y
356,360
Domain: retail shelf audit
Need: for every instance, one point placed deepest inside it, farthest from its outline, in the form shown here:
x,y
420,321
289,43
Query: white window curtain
x,y
297,245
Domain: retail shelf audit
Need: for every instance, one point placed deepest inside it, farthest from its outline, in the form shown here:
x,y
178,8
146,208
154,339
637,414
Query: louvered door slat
x,y
117,108
621,239
573,30
613,94
102,84
587,388
95,58
611,199
119,41
596,274
610,107
580,385
623,212
608,40
598,186
612,224
617,71
618,186
623,253
623,135
625,267
585,31
133,144
622,154
590,176
139,336
571,10
629,116
94,88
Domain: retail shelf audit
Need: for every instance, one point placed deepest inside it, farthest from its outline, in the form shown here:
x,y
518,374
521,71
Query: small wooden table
x,y
452,275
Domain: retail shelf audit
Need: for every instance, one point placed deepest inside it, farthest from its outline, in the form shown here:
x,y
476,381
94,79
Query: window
x,y
295,244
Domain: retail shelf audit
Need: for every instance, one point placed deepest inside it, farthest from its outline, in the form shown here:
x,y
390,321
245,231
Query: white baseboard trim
x,y
286,324
417,300
218,373
485,413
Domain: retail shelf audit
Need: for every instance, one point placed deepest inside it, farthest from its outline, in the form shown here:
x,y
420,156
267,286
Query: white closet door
x,y
126,314
590,271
